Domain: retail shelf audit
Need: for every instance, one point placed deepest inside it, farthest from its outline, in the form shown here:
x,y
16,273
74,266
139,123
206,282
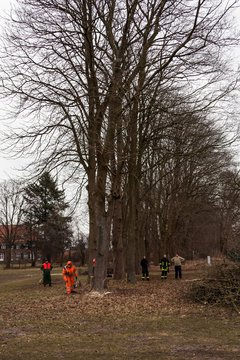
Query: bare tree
x,y
184,160
227,202
11,213
77,69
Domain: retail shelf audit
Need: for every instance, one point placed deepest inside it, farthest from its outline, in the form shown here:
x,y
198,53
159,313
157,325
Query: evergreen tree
x,y
44,216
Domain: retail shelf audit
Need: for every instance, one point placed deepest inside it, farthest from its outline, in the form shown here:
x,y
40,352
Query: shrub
x,y
221,286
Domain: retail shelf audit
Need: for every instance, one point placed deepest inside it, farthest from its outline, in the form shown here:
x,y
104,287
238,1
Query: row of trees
x,y
37,213
120,93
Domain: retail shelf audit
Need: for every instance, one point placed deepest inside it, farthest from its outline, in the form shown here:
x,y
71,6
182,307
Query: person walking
x,y
164,267
69,274
46,269
144,265
177,262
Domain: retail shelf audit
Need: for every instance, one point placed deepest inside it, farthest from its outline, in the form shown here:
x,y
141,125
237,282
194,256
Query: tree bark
x,y
117,234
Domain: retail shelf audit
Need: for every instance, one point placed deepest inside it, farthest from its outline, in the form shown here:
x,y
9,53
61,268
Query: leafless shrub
x,y
220,287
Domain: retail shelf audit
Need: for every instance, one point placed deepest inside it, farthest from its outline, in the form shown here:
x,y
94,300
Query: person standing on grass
x,y
69,274
164,267
144,265
177,262
46,269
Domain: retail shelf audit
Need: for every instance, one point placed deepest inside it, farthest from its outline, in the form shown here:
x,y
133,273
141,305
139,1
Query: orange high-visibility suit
x,y
69,273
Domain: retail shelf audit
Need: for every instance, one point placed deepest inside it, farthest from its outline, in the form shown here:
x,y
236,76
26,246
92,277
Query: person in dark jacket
x,y
46,269
144,265
164,267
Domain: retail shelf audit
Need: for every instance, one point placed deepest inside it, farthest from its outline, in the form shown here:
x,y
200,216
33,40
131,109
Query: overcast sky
x,y
6,165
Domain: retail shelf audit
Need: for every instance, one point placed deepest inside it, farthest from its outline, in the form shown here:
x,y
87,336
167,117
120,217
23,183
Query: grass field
x,y
150,320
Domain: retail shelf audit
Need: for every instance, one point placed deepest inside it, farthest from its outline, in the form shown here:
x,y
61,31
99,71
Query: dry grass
x,y
149,320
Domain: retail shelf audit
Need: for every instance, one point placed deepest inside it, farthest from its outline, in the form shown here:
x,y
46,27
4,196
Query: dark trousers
x,y
47,278
178,272
164,274
145,273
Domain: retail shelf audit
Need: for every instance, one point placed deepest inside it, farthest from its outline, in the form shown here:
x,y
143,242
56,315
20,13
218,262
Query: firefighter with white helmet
x,y
164,267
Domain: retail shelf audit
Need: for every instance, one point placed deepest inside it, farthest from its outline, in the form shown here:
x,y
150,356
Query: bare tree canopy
x,y
11,215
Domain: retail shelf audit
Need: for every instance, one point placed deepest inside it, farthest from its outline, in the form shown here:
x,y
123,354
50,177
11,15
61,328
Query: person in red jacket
x,y
69,274
46,269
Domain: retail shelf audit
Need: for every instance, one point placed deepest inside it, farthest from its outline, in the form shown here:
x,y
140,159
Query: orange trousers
x,y
69,281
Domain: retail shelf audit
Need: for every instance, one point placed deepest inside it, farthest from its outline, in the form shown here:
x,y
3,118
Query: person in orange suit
x,y
69,274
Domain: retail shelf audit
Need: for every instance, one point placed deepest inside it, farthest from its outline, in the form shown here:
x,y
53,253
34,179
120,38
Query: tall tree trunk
x,y
131,234
92,244
102,242
8,256
118,254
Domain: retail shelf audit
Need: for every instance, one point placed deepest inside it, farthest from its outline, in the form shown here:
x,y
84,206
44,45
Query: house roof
x,y
14,233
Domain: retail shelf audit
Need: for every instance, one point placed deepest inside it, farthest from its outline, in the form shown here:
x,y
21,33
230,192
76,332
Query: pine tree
x,y
44,216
